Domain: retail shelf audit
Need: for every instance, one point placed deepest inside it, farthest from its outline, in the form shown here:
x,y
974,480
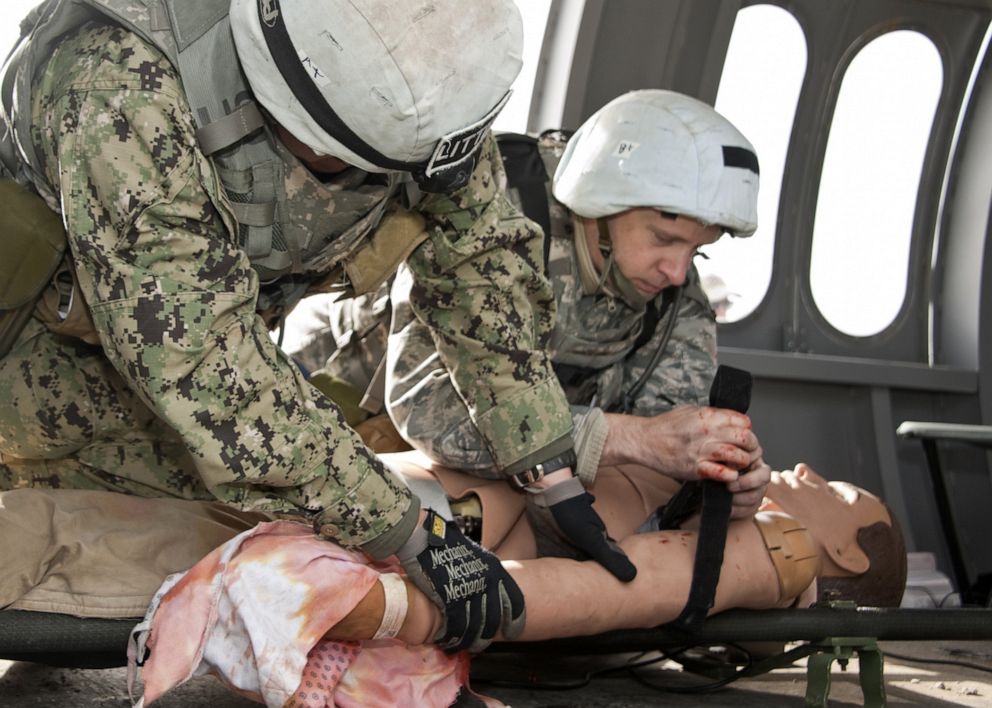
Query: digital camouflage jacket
x,y
171,289
601,345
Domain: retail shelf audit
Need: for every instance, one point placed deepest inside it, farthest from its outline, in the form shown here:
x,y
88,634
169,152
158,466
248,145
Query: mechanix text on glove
x,y
478,597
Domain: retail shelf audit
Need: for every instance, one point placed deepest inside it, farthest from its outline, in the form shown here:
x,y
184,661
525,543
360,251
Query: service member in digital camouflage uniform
x,y
196,218
638,189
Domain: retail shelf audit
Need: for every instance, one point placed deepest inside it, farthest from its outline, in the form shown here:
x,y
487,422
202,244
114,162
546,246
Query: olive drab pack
x,y
33,244
32,240
528,178
306,236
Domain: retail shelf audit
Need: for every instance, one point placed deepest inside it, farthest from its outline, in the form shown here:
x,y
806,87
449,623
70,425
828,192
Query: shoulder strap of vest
x,y
526,173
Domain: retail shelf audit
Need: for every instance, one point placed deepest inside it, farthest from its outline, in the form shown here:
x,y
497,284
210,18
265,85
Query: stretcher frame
x,y
837,632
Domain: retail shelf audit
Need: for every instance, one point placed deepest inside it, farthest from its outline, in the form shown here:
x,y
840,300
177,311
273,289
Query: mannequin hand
x,y
749,489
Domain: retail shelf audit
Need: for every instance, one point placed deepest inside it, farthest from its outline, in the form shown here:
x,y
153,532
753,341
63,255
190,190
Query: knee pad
x,y
792,550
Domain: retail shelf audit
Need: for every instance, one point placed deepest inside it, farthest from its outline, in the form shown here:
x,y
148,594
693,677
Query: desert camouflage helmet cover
x,y
665,150
399,76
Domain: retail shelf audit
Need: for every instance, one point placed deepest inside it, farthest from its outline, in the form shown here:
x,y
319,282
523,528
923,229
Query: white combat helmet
x,y
664,150
384,85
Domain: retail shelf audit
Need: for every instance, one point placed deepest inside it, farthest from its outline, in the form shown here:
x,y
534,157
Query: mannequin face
x,y
654,250
832,511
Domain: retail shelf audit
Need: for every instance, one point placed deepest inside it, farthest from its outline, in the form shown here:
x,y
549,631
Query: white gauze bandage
x,y
396,606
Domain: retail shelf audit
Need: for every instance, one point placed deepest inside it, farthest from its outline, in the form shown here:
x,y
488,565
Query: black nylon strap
x,y
683,504
713,522
526,173
731,389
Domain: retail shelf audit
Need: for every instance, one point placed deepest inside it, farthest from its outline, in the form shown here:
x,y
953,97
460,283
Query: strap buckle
x,y
529,476
524,479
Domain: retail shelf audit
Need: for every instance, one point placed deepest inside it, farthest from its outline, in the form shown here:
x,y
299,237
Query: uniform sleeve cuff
x,y
558,447
590,439
388,543
528,428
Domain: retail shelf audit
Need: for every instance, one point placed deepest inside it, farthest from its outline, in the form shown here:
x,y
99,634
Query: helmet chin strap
x,y
606,248
608,280
447,169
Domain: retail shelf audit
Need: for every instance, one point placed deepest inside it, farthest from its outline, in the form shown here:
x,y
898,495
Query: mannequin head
x,y
862,553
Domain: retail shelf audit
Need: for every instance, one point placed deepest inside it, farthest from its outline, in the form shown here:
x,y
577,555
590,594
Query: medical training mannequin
x,y
343,624
824,537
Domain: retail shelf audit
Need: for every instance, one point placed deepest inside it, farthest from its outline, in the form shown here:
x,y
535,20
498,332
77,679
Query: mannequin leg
x,y
571,598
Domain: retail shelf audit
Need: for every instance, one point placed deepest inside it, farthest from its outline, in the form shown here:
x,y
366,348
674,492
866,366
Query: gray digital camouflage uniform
x,y
594,347
186,395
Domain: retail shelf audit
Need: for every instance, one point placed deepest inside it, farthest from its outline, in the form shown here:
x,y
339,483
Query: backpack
x,y
529,163
527,179
33,238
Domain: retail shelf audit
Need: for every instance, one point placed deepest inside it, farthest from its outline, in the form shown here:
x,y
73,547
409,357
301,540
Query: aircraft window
x,y
871,174
514,115
759,90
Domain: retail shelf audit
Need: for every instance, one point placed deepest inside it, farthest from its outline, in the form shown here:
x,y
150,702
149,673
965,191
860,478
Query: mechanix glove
x,y
566,525
477,596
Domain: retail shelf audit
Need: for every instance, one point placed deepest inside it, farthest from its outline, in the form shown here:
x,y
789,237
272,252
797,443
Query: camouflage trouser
x,y
70,421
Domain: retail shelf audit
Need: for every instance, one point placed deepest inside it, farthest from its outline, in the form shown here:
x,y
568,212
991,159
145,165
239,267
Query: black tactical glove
x,y
566,525
477,596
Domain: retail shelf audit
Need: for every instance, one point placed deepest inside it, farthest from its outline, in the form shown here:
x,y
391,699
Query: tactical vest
x,y
292,243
